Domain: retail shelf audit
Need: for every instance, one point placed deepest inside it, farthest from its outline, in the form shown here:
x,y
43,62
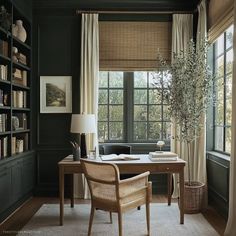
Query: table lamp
x,y
83,124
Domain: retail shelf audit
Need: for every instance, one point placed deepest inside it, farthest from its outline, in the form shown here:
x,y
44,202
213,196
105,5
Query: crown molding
x,y
143,5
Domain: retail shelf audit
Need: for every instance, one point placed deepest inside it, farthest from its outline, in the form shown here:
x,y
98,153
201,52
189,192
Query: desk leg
x,y
181,195
72,191
61,190
169,188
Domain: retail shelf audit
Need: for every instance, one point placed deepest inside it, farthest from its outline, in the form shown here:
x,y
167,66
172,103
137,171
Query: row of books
x,y
3,122
3,147
19,144
19,99
3,98
3,72
4,48
20,76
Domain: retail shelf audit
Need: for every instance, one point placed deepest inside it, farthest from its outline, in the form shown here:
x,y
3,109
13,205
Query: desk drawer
x,y
155,168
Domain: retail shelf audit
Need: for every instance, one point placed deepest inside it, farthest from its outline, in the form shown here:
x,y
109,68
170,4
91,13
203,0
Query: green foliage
x,y
188,81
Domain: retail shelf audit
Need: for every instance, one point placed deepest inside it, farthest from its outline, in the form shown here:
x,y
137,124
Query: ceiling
x,y
123,5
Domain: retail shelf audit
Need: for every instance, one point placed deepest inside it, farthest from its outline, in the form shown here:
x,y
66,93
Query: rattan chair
x,y
111,194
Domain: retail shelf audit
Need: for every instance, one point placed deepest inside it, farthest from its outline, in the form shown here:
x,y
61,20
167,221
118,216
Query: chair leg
x,y
91,220
120,223
110,217
148,217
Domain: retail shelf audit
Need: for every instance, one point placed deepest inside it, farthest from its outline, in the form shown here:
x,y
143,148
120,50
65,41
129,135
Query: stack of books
x,y
163,156
4,48
3,72
20,77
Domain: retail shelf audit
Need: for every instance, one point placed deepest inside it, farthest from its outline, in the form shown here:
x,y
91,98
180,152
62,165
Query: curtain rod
x,y
132,12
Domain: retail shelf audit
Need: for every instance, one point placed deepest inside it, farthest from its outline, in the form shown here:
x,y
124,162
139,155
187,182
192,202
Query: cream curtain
x,y
230,228
182,32
199,146
89,77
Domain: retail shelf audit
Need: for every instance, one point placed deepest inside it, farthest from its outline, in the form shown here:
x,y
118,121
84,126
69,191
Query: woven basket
x,y
193,197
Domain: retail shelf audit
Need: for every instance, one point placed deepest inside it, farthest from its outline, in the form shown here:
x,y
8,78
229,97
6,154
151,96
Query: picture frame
x,y
55,94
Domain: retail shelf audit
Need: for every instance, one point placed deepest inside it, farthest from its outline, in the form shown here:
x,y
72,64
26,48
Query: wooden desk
x,y
68,166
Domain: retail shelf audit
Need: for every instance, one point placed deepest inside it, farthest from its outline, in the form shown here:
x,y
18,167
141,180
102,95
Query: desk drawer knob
x,y
167,168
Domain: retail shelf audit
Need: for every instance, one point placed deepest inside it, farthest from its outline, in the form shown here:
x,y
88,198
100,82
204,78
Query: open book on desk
x,y
120,157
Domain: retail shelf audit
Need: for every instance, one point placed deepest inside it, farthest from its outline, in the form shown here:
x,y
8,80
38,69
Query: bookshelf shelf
x,y
4,31
5,133
4,58
20,86
21,131
20,109
5,81
15,85
21,66
19,43
5,108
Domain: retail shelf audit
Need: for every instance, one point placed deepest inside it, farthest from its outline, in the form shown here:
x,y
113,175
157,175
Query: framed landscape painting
x,y
55,94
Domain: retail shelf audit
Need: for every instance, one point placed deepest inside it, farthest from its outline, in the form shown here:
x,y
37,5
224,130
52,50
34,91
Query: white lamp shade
x,y
83,123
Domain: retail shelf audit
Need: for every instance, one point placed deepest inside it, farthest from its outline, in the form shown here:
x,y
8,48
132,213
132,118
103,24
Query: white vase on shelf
x,y
21,32
14,30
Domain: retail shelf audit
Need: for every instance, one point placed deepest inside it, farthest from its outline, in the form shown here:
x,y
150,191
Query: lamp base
x,y
83,146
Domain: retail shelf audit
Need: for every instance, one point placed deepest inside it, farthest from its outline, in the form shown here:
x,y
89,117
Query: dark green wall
x,y
56,46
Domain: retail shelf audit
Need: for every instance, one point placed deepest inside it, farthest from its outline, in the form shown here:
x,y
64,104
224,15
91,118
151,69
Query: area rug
x,y
164,222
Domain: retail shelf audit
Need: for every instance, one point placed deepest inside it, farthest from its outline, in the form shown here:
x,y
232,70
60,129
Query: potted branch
x,y
188,82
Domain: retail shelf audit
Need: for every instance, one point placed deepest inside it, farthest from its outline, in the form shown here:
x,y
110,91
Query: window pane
x,y
154,113
140,96
166,115
102,131
229,61
219,113
228,140
220,89
219,138
155,96
228,109
229,87
140,131
166,130
229,37
220,45
103,79
116,80
220,66
102,98
140,113
116,113
152,80
102,113
115,131
140,79
165,96
154,132
116,96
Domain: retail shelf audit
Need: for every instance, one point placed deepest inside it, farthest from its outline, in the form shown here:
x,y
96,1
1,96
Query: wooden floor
x,y
16,221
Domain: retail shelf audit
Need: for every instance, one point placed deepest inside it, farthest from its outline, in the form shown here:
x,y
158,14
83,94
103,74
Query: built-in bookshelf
x,y
15,83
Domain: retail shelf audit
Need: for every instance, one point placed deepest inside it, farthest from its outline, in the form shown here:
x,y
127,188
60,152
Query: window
x,y
223,68
131,108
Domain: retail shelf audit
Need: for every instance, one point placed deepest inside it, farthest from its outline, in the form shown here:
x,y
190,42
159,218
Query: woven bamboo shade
x,y
220,15
130,46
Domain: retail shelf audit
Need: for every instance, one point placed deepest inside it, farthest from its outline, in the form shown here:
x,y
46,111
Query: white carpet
x,y
164,222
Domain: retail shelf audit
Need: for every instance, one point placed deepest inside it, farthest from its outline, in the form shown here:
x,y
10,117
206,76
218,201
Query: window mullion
x,y
224,133
129,101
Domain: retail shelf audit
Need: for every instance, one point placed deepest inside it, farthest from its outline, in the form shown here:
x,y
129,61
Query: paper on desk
x,y
121,157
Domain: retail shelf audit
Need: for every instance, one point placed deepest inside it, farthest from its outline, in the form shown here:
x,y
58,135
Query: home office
x,y
132,109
